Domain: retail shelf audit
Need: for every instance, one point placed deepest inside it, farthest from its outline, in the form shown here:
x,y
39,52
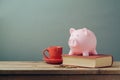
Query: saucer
x,y
53,61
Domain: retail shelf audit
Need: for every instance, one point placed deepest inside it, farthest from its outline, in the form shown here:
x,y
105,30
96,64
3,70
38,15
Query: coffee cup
x,y
53,54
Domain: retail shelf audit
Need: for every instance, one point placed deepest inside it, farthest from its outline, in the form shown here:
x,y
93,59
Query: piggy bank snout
x,y
73,42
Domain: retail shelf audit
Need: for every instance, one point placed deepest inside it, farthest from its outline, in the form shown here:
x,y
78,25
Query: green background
x,y
29,26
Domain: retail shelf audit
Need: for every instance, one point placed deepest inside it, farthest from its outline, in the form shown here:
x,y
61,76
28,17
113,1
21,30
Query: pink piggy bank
x,y
82,42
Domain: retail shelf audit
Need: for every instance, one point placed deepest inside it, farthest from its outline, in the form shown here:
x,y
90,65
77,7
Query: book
x,y
99,60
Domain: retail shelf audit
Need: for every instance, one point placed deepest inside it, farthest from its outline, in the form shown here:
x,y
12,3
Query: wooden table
x,y
35,70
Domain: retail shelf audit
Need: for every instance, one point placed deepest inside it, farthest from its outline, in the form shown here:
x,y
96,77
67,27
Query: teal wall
x,y
29,26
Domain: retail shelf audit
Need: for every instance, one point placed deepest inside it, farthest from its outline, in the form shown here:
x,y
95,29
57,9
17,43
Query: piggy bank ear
x,y
72,30
85,31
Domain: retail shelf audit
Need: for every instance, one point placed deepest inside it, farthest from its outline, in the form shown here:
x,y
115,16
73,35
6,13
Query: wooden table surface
x,y
38,70
37,67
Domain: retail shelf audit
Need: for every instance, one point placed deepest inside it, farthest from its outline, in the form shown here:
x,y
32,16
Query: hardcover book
x,y
99,60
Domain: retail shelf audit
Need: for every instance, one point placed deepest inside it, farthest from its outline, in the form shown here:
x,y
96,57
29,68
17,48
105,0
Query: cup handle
x,y
45,54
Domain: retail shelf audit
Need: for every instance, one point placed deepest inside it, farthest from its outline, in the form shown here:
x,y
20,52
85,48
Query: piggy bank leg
x,y
70,53
85,53
94,52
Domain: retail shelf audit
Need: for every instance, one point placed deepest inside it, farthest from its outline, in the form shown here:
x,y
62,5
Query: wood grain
x,y
61,77
39,70
39,67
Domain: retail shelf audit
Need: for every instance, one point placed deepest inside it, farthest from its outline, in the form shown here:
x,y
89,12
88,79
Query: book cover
x,y
99,60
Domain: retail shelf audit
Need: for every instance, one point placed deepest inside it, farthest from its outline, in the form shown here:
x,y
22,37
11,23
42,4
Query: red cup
x,y
53,54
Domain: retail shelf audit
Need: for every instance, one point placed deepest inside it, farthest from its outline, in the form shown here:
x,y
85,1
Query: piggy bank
x,y
82,42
